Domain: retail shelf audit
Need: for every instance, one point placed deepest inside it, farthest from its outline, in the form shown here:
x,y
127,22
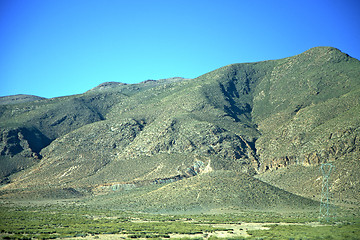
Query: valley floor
x,y
231,231
76,220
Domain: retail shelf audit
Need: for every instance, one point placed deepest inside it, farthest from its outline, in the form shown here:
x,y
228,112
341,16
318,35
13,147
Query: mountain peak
x,y
323,51
324,48
107,85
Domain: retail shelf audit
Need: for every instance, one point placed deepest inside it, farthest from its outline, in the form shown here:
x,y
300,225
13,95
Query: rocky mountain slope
x,y
20,98
259,119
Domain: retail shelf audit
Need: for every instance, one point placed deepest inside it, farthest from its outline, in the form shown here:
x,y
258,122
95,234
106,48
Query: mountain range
x,y
247,135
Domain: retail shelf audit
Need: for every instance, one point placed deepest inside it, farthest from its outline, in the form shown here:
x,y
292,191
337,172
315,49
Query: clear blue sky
x,y
54,48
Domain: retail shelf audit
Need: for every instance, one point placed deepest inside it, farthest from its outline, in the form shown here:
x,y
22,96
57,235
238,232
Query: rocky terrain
x,y
20,98
265,125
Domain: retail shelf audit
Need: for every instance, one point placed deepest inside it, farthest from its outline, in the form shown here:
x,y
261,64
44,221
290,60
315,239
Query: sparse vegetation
x,y
76,221
339,231
259,130
71,221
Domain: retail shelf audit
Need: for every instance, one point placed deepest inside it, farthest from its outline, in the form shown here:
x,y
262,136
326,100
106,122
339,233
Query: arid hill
x,y
268,125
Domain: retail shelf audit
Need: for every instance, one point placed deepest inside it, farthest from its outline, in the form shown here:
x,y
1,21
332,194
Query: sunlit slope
x,y
307,181
322,127
247,118
307,109
27,128
219,191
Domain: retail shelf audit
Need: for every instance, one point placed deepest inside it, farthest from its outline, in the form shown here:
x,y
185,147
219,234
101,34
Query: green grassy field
x,y
51,221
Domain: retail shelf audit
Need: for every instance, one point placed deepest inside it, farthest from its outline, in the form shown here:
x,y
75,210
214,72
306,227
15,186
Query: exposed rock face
x,y
312,159
198,167
172,136
322,149
12,143
20,148
22,141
